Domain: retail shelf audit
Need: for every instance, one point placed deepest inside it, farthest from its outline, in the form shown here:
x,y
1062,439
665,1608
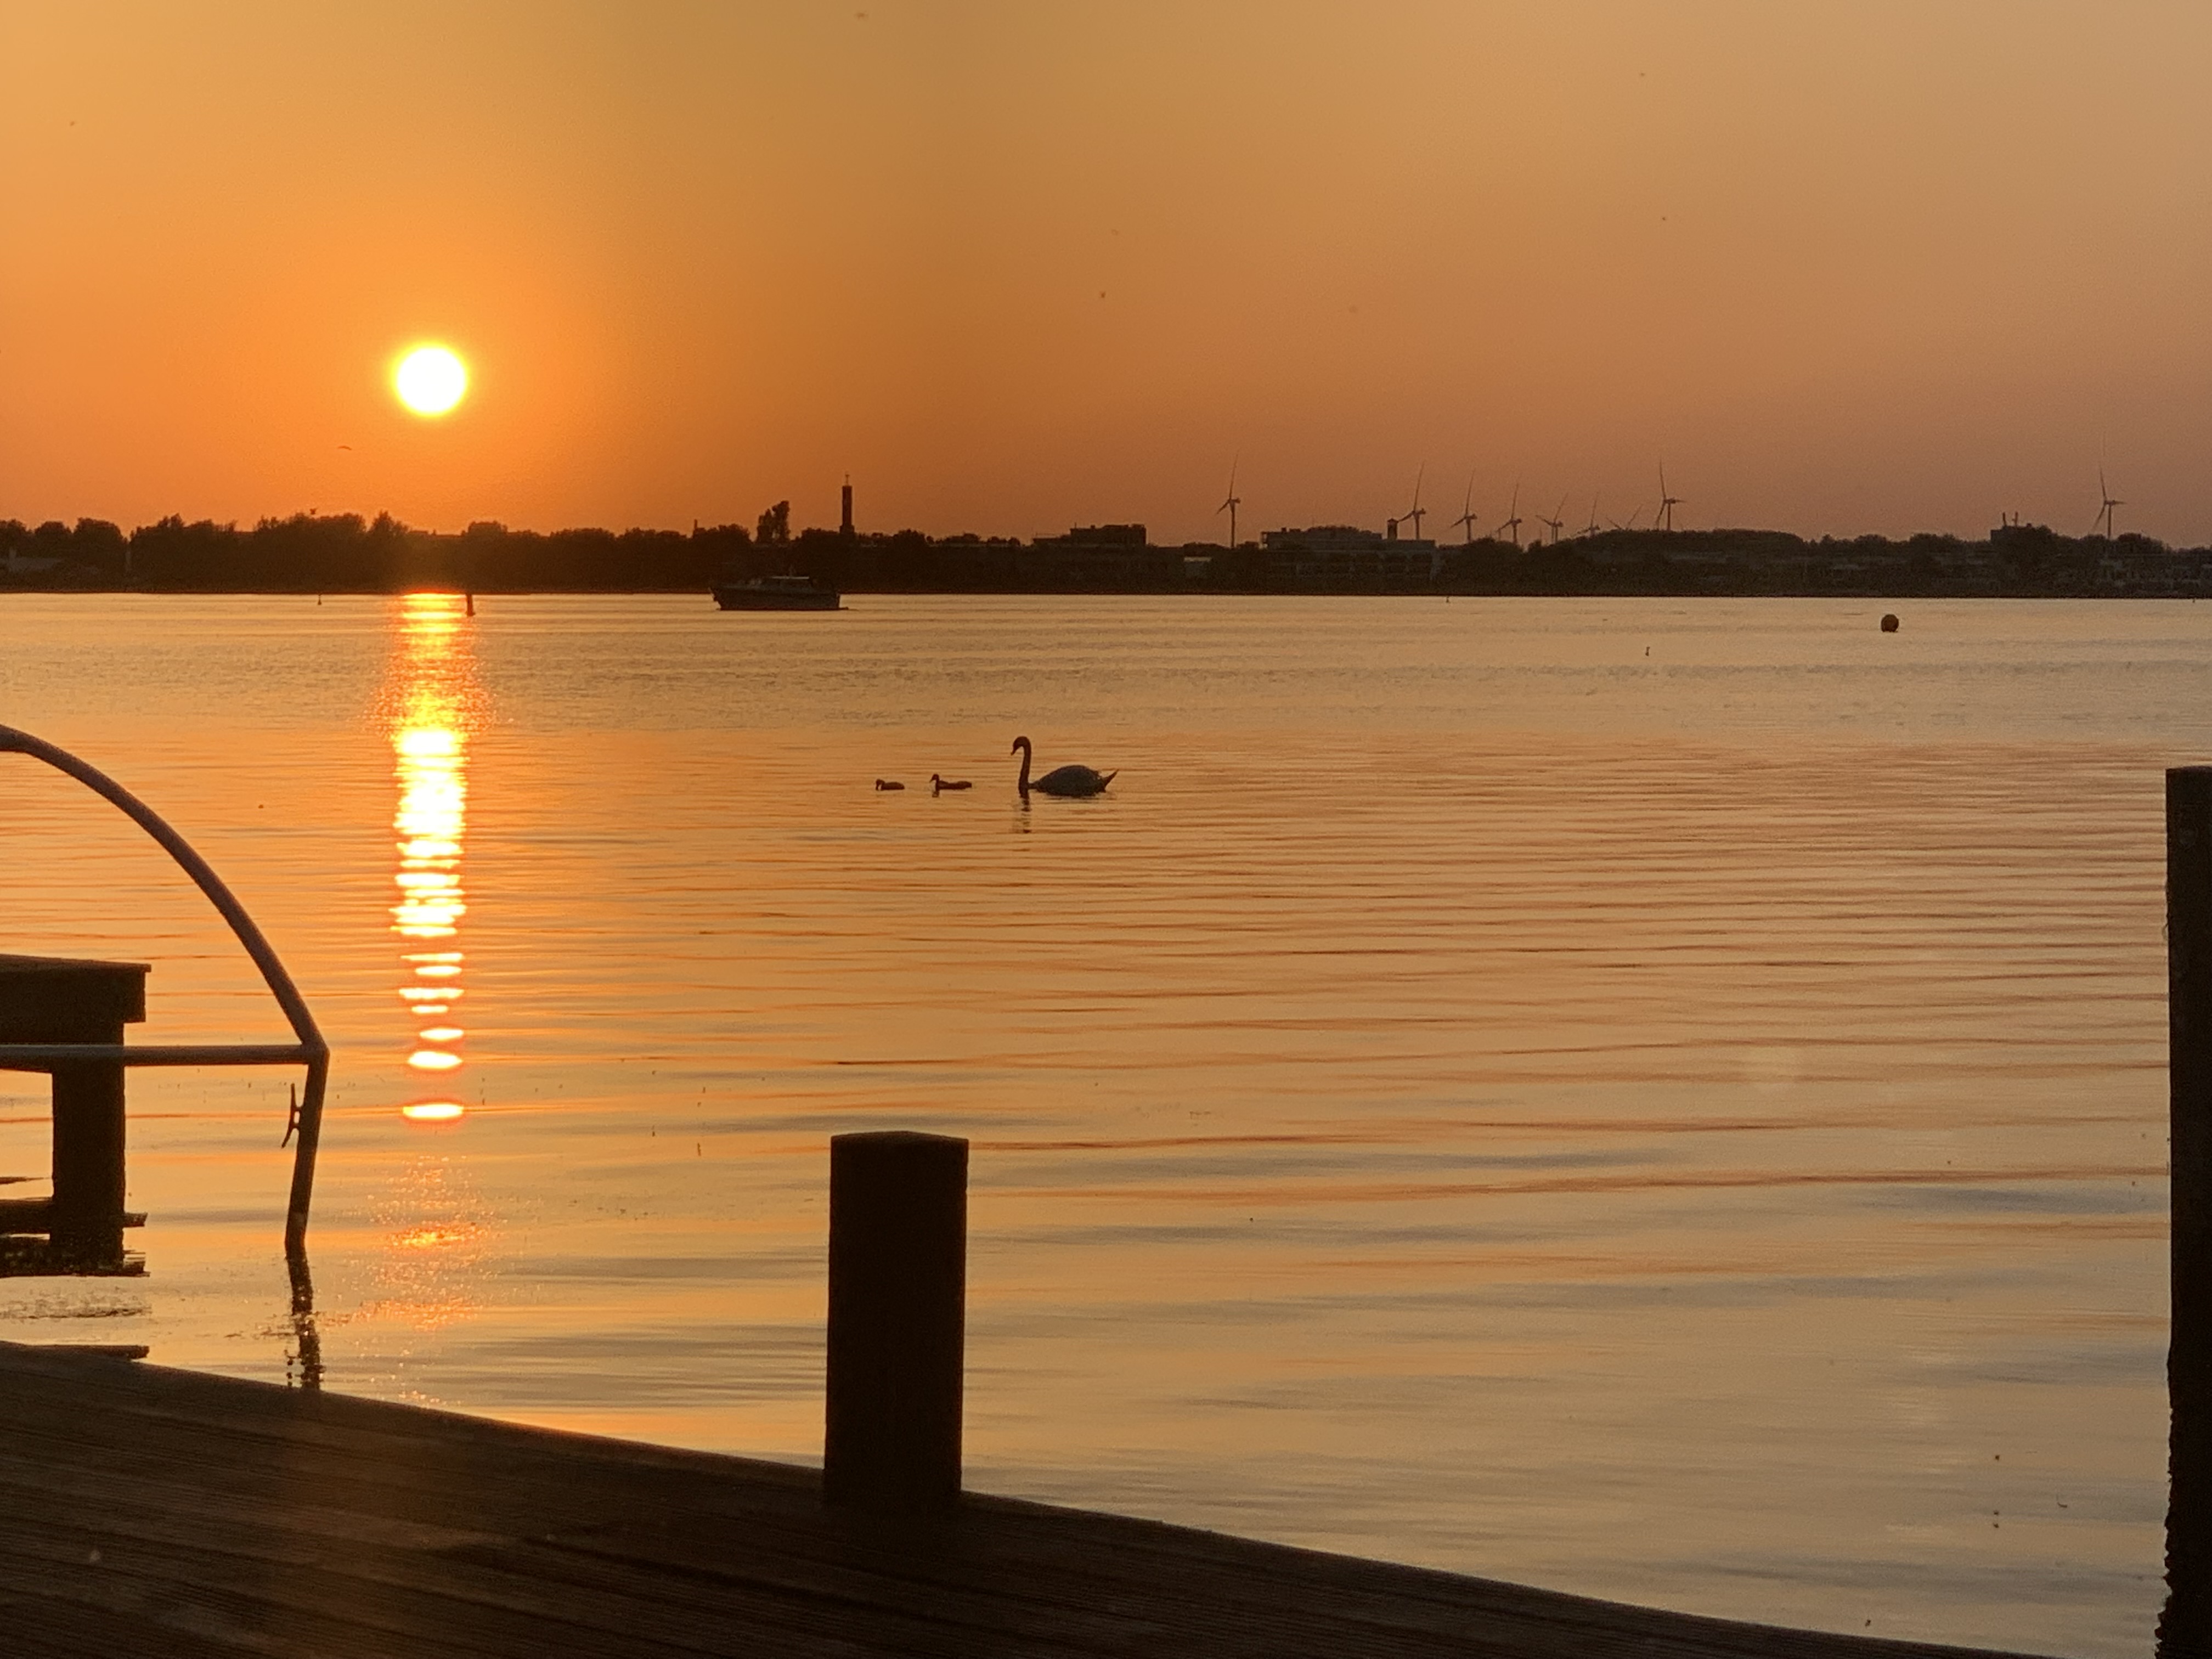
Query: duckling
x,y
888,783
937,785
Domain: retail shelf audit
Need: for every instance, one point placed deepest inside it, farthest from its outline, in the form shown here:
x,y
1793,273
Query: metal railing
x,y
309,1050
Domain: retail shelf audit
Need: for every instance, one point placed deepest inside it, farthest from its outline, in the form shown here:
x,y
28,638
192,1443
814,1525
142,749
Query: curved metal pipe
x,y
313,1051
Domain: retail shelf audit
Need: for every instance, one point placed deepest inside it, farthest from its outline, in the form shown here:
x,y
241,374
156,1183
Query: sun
x,y
430,380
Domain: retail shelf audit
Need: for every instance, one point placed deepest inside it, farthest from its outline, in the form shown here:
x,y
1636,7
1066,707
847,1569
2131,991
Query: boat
x,y
776,593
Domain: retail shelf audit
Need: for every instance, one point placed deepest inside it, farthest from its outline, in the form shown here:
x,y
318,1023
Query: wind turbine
x,y
1590,529
2105,516
1667,503
1512,523
1466,511
1230,506
1417,511
1555,521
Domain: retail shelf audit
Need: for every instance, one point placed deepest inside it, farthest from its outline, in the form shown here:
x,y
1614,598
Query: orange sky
x,y
1846,265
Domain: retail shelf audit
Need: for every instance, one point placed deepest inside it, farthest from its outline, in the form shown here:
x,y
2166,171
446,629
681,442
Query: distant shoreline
x,y
345,554
8,590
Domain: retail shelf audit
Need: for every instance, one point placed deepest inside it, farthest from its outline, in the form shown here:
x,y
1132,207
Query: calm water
x,y
1660,1099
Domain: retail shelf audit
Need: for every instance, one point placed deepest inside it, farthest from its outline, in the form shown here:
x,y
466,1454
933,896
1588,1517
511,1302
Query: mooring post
x,y
86,1218
48,1000
898,1280
2184,1629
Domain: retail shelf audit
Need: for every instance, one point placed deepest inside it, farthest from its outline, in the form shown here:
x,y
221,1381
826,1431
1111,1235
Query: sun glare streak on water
x,y
1684,1127
429,694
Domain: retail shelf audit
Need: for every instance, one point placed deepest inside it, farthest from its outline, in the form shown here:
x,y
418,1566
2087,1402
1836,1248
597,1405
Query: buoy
x,y
1889,622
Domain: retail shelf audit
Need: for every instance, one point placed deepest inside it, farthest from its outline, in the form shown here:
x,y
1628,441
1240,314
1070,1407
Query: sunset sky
x,y
1844,265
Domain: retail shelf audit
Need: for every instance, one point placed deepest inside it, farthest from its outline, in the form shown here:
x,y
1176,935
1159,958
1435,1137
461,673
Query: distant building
x,y
17,565
1098,535
1101,556
1344,555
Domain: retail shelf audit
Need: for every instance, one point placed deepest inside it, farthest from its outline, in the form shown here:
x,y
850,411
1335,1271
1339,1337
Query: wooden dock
x,y
158,1512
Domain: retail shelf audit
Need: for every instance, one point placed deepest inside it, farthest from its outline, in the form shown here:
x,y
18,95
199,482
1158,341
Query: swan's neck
x,y
1022,783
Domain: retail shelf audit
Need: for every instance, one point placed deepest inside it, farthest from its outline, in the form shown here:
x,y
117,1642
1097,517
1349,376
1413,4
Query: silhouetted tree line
x,y
904,562
2021,561
343,552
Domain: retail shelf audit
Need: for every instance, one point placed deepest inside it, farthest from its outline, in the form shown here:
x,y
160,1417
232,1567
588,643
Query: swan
x,y
937,785
1074,781
888,783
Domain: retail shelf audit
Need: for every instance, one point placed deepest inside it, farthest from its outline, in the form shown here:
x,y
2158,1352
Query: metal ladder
x,y
306,1118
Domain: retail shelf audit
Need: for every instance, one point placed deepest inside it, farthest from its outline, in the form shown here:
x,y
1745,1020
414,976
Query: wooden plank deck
x,y
159,1512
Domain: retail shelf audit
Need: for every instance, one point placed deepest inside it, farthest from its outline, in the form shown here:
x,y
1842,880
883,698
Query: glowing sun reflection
x,y
429,748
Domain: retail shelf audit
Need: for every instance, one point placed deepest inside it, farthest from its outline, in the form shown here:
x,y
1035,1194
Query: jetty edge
x,y
145,1510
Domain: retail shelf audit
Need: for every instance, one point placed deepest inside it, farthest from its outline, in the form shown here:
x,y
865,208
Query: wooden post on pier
x,y
2184,1629
52,1000
898,1273
87,1107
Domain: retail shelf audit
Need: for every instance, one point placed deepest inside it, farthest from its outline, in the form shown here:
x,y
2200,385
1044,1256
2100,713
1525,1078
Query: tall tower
x,y
845,528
